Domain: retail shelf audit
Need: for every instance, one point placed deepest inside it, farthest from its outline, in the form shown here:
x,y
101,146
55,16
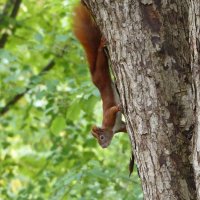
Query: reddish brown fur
x,y
93,43
90,36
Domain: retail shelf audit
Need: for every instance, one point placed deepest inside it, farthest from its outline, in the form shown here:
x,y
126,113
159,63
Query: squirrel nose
x,y
105,145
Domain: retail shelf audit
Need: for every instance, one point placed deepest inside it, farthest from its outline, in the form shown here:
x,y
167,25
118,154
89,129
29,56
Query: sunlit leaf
x,y
58,124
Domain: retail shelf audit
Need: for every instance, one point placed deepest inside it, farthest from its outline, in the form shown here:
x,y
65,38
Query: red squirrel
x,y
89,35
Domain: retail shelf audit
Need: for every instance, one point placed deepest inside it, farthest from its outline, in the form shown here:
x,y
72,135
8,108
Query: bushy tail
x,y
87,33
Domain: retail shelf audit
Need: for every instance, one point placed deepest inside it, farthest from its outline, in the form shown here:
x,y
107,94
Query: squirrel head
x,y
103,136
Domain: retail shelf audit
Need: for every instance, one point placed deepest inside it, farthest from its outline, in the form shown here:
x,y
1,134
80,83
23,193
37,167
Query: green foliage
x,y
46,149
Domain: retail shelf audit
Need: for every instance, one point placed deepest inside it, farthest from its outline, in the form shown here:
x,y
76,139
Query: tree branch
x,y
17,97
13,15
15,8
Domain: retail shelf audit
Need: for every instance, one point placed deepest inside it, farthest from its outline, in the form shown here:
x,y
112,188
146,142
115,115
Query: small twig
x,y
17,97
13,15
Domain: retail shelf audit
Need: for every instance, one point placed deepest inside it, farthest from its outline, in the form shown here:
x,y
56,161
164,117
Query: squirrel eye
x,y
102,137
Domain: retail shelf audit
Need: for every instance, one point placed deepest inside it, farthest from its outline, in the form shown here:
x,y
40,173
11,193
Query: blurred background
x,y
47,107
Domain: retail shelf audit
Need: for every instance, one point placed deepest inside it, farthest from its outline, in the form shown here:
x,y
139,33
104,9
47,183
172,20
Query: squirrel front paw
x,y
119,106
103,42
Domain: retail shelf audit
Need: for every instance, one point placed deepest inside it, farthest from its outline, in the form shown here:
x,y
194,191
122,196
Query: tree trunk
x,y
194,21
154,54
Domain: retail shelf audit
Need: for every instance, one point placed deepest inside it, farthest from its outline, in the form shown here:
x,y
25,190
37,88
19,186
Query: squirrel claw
x,y
119,106
103,42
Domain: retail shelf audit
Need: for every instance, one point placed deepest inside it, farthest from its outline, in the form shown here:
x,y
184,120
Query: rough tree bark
x,y
194,21
154,48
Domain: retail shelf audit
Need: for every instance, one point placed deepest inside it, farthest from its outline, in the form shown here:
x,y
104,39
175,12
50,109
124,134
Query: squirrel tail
x,y
87,33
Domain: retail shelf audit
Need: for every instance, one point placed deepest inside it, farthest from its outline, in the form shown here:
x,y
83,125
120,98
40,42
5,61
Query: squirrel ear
x,y
94,134
94,128
94,131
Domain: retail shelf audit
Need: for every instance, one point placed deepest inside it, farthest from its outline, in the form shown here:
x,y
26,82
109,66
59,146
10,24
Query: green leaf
x,y
40,94
38,37
7,56
74,111
61,38
52,84
58,124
